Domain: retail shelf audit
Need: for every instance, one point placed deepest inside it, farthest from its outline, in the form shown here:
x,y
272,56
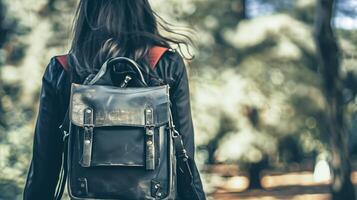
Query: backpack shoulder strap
x,y
155,54
63,61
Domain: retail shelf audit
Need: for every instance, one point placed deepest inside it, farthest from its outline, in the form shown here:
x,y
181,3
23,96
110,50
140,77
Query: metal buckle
x,y
87,137
149,139
65,135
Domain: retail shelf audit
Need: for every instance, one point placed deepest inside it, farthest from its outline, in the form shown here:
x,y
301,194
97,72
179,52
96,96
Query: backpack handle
x,y
112,61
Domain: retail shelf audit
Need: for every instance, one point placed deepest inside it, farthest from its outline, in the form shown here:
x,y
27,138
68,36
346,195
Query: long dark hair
x,y
109,28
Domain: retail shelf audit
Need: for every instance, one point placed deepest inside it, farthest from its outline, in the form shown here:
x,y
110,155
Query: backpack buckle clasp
x,y
149,139
88,125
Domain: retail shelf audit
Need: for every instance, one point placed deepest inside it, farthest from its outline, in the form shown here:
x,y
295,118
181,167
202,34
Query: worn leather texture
x,y
116,149
46,161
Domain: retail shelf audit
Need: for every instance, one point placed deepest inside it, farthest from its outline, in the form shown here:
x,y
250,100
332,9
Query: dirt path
x,y
279,193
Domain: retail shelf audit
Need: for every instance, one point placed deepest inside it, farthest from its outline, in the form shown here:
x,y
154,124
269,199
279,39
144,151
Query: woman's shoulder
x,y
172,61
57,64
171,68
54,72
172,55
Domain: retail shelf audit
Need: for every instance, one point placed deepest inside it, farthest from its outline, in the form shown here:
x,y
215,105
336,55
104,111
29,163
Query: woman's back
x,y
92,45
106,29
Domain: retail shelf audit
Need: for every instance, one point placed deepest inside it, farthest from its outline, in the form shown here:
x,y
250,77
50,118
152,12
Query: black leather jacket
x,y
48,144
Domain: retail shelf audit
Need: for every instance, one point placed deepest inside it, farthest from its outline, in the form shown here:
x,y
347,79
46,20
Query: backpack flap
x,y
114,106
117,126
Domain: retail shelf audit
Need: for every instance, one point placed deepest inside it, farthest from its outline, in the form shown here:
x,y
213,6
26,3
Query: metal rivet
x,y
87,141
149,142
159,194
157,186
89,111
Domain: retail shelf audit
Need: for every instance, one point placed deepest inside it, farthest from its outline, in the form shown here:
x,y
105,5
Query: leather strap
x,y
111,62
149,139
155,54
88,118
63,61
64,171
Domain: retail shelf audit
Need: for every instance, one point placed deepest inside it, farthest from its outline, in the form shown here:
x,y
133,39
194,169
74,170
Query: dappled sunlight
x,y
235,184
254,32
354,177
322,171
291,179
273,197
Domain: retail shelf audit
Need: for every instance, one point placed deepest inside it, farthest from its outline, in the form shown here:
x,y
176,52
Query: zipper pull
x,y
126,81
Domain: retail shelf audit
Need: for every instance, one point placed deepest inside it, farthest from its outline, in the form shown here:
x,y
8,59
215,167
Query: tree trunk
x,y
51,5
2,19
2,41
328,54
244,11
226,125
254,176
254,173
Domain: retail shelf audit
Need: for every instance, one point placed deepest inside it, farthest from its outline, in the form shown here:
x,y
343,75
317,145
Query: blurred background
x,y
273,91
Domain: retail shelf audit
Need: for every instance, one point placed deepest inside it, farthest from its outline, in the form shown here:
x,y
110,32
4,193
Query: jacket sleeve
x,y
181,108
181,111
47,147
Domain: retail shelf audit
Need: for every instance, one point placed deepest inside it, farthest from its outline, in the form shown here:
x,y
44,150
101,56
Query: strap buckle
x,y
65,135
64,131
149,139
87,137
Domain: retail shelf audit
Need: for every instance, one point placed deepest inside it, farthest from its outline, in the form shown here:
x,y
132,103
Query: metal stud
x,y
150,132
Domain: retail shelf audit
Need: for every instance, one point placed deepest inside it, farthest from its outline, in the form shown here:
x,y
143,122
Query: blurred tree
x,y
264,60
244,44
51,5
226,125
329,60
267,64
2,28
290,150
2,41
255,168
254,173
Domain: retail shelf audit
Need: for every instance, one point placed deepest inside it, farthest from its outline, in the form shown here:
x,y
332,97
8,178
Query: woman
x,y
104,29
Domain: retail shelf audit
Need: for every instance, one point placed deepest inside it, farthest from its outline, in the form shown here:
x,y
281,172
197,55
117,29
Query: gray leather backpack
x,y
120,142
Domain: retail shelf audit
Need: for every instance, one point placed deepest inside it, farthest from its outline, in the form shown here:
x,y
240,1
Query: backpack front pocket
x,y
113,146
